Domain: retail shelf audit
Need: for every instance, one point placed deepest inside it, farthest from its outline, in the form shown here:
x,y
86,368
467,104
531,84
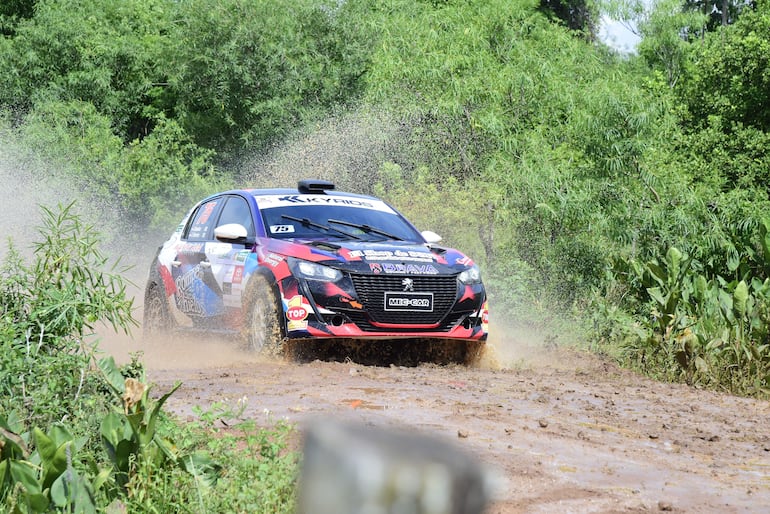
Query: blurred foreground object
x,y
356,469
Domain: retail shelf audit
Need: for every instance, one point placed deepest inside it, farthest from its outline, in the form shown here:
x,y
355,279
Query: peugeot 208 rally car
x,y
311,263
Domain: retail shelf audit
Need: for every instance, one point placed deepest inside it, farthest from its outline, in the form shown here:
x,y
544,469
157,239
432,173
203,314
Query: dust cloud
x,y
28,184
347,149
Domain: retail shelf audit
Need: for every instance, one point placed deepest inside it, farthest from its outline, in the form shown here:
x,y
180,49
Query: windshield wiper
x,y
366,228
306,222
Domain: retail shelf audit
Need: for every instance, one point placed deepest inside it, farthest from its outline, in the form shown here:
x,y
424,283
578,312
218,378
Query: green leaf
x,y
101,478
701,365
74,491
673,260
25,473
658,297
726,305
714,344
115,379
657,272
740,297
202,467
4,465
53,458
157,409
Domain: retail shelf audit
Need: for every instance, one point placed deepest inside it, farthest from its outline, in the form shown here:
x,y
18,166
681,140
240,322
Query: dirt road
x,y
564,431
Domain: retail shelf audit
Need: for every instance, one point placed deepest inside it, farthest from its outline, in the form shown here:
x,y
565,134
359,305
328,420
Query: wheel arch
x,y
264,273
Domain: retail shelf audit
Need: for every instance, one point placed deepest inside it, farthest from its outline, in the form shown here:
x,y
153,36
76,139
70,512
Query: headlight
x,y
312,271
470,276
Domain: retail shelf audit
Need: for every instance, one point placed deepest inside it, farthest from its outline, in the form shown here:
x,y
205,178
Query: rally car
x,y
311,263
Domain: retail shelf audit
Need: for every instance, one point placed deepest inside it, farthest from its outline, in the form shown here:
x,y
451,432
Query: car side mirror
x,y
231,233
430,236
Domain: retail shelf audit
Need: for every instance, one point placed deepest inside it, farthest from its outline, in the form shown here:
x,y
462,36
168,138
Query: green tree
x,y
578,15
163,174
728,74
11,11
718,12
110,53
251,71
666,30
556,131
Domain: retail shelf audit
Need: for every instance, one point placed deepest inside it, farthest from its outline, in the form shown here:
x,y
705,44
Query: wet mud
x,y
561,431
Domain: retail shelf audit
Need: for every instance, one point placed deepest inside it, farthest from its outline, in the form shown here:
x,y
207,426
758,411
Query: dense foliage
x,y
79,434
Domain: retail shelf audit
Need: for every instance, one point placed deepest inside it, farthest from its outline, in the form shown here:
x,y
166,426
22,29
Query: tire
x,y
157,317
263,331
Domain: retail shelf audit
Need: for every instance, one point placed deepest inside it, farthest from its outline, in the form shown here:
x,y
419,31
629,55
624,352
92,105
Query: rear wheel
x,y
262,328
157,318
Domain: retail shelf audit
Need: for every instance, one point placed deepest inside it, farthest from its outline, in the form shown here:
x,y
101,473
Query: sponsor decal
x,y
272,259
189,247
297,312
465,261
412,269
281,229
242,255
324,200
185,298
238,275
218,249
393,268
351,302
206,214
270,201
378,254
387,255
406,301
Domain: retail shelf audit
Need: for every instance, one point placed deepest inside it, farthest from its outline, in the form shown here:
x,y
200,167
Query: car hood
x,y
389,257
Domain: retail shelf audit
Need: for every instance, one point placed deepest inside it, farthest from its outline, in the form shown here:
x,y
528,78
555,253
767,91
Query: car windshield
x,y
314,217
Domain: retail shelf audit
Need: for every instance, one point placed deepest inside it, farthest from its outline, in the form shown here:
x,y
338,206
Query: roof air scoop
x,y
314,186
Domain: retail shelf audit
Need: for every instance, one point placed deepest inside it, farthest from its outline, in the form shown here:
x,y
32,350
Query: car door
x,y
208,273
197,294
227,258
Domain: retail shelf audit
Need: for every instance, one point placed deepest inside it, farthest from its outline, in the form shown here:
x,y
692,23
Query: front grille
x,y
371,291
363,322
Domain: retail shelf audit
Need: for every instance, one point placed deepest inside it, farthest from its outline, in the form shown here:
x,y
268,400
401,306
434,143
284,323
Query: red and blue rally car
x,y
311,263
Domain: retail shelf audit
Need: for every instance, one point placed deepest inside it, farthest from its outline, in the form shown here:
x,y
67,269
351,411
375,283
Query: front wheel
x,y
262,330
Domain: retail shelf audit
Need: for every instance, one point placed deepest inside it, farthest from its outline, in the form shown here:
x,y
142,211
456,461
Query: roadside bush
x,y
49,310
79,434
704,330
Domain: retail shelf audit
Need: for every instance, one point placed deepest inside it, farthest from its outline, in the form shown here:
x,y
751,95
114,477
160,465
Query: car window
x,y
236,210
283,227
202,226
